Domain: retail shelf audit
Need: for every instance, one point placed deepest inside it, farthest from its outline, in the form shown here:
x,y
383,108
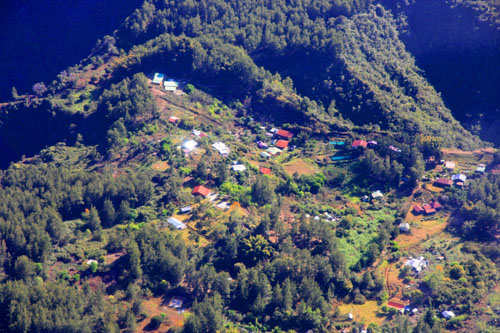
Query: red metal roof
x,y
265,171
428,209
359,143
281,144
397,305
201,190
436,205
444,182
417,209
284,134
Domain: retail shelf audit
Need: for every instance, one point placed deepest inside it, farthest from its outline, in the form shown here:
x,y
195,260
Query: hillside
x,y
241,166
456,43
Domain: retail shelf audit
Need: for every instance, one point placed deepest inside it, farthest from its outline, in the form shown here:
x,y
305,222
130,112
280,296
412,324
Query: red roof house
x,y
428,209
265,171
436,205
173,120
417,210
495,172
201,190
282,144
443,182
396,305
284,134
359,143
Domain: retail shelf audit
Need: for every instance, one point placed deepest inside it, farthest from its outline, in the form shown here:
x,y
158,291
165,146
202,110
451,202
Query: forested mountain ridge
x,y
457,44
291,171
319,54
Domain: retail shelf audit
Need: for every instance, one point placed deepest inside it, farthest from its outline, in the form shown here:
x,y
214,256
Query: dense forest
x,y
315,168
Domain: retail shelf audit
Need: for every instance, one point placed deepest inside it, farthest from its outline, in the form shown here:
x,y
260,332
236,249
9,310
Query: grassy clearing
x,y
160,166
300,166
365,313
364,230
421,232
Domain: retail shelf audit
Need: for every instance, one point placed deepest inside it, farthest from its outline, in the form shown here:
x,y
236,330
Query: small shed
x,y
481,168
186,209
448,314
436,205
459,177
158,78
377,195
173,120
404,227
176,223
262,145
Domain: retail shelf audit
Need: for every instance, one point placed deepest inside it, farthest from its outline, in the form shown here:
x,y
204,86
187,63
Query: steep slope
x,y
457,43
364,71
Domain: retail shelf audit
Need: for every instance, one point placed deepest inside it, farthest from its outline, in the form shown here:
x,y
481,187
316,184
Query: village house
x,y
238,167
170,85
201,190
176,223
282,144
173,120
436,205
221,148
443,182
417,209
449,165
284,134
428,210
265,155
158,78
359,143
274,151
371,144
417,264
189,145
481,168
265,171
377,195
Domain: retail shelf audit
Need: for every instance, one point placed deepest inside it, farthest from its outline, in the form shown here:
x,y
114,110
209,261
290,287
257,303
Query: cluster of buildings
x,y
281,139
427,209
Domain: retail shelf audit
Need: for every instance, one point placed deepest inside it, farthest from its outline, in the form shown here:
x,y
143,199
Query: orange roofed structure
x,y
284,134
265,171
282,144
201,190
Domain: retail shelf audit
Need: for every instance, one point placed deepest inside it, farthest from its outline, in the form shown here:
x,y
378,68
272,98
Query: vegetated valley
x,y
271,166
